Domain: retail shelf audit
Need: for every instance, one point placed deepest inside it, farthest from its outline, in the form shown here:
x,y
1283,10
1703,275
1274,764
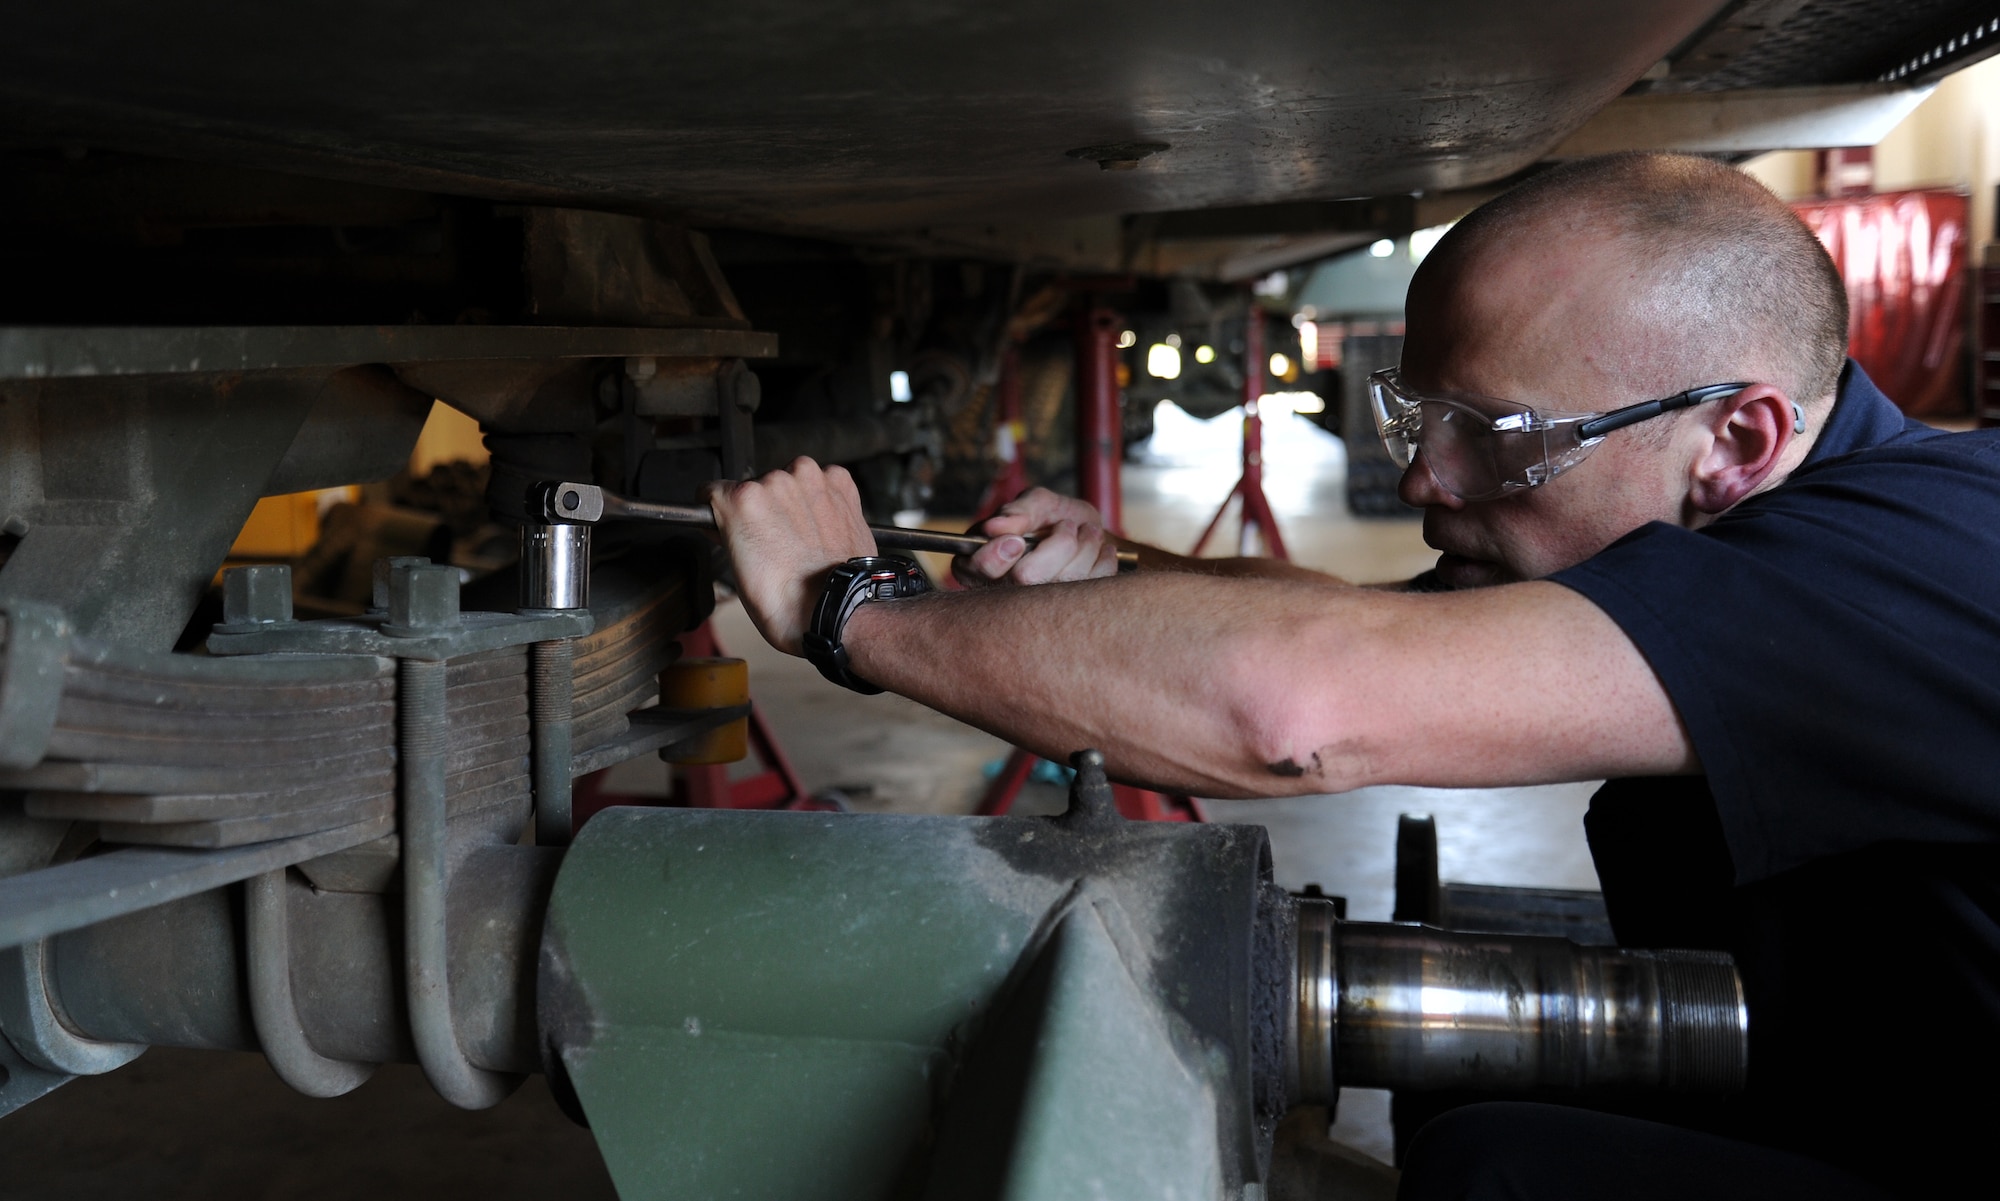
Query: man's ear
x,y
1748,435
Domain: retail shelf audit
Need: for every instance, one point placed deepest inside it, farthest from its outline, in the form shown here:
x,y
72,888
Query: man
x,y
1684,550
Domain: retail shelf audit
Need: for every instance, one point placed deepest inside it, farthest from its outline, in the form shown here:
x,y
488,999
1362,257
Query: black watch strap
x,y
848,587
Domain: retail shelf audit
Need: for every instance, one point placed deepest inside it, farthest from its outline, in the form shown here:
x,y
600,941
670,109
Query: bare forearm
x,y
1259,687
1150,668
1153,558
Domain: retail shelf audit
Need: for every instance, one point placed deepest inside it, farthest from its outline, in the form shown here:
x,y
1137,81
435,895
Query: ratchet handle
x,y
588,504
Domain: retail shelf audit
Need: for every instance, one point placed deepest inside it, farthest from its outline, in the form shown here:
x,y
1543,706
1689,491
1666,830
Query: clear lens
x,y
1477,448
1397,417
1476,454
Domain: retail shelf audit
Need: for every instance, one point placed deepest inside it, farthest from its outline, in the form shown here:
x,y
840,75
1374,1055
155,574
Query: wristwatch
x,y
848,587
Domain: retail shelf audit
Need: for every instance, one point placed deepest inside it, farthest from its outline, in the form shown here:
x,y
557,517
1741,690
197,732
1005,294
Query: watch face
x,y
853,583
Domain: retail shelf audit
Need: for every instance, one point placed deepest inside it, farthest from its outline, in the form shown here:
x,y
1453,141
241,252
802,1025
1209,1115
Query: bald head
x,y
1689,272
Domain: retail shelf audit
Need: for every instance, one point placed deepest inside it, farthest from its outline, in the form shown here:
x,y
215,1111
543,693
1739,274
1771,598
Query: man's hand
x,y
1073,546
785,531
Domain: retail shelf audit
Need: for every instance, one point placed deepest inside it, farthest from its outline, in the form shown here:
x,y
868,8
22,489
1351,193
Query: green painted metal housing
x,y
802,1006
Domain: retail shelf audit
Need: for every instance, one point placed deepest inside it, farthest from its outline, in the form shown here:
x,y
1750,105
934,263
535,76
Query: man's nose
x,y
1420,489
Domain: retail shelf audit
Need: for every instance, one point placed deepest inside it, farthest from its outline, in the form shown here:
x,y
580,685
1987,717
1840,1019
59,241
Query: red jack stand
x,y
708,786
1257,518
1100,449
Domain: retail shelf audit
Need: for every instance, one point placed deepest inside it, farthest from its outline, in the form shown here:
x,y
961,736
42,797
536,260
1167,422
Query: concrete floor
x,y
194,1125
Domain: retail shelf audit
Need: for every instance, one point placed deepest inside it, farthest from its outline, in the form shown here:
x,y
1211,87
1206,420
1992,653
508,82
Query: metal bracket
x,y
367,635
421,620
32,683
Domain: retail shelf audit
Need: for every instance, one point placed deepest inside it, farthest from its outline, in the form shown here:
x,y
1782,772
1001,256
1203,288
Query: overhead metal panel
x,y
849,119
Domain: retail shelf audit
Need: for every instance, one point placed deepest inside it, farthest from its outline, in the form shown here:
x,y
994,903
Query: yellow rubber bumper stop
x,y
708,684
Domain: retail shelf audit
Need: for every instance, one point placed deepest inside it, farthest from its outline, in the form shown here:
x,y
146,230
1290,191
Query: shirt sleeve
x,y
1833,647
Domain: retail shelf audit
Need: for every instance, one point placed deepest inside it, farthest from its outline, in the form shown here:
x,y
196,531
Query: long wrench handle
x,y
588,503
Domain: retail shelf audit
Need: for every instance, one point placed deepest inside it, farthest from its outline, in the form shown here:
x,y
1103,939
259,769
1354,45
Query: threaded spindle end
x,y
1704,1024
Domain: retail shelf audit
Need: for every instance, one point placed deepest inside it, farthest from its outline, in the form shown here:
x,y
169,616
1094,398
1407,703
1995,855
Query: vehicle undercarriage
x,y
324,811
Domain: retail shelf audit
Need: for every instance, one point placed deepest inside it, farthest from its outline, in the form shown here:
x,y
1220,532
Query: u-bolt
x,y
426,880
273,1007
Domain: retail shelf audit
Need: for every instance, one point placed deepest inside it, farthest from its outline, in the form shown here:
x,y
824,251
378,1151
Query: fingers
x,y
1051,555
1096,555
813,504
1068,550
1038,509
784,531
1106,563
1067,553
1072,543
838,514
990,563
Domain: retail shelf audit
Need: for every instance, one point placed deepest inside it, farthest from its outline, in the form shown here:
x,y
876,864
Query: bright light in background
x,y
899,387
1127,340
1383,248
1199,460
1163,361
1309,345
1423,240
1173,340
1273,284
1281,366
1298,402
1204,354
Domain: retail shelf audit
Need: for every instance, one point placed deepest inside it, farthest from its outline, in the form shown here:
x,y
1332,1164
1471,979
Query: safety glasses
x,y
1481,447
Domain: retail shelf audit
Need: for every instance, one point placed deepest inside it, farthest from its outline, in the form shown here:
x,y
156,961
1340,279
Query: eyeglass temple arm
x,y
1646,410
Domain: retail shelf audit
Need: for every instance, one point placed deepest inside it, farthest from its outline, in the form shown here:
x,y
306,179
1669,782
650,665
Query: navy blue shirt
x,y
1833,647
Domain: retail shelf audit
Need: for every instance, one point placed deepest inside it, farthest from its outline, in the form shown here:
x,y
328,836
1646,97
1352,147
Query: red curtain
x,y
1903,257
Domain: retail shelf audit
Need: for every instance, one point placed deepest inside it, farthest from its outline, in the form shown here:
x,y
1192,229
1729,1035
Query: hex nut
x,y
739,386
379,597
423,597
260,595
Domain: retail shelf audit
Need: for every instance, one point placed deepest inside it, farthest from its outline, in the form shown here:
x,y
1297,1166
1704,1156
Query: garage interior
x,y
935,327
